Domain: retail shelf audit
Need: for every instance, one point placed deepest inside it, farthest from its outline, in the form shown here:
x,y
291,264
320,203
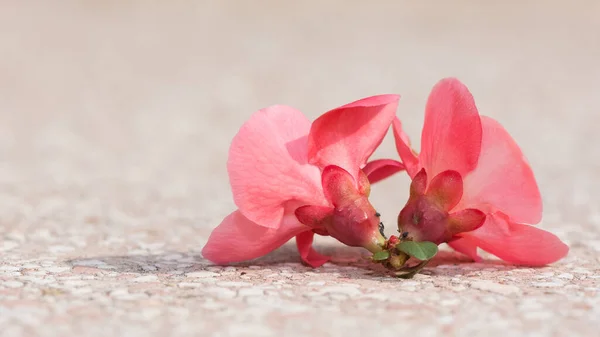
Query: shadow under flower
x,y
445,263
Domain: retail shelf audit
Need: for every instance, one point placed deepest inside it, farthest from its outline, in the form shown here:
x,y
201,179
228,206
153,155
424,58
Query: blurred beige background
x,y
116,117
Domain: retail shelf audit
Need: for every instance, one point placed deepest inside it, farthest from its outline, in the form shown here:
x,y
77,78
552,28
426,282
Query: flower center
x,y
423,220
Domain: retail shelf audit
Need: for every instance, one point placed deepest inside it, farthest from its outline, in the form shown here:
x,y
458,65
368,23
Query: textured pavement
x,y
115,120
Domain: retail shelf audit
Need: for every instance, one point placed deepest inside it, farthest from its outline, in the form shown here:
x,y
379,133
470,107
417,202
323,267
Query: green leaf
x,y
421,250
382,255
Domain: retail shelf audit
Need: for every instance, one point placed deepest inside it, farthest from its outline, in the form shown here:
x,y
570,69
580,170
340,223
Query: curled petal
x,y
517,243
464,246
308,254
465,220
268,165
503,180
418,184
408,156
364,186
377,170
451,137
239,239
338,184
348,135
314,216
446,189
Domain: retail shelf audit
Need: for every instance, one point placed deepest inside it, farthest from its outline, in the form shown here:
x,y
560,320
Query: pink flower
x,y
291,178
471,185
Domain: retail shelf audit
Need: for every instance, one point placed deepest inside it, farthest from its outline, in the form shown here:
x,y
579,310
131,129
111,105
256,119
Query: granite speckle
x,y
116,118
494,287
202,274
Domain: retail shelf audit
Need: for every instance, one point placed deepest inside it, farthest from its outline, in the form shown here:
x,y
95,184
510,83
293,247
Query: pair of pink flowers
x,y
471,185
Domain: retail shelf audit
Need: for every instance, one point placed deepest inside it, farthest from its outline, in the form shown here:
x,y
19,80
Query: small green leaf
x,y
421,250
382,255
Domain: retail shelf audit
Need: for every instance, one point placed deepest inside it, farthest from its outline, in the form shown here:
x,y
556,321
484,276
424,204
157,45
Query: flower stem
x,y
397,261
377,243
412,271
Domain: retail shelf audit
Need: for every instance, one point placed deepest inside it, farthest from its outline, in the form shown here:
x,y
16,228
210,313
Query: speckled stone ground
x,y
115,119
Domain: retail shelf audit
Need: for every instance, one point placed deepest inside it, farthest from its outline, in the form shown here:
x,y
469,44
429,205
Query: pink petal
x,y
239,239
268,165
309,255
503,180
380,169
451,138
517,243
446,189
464,246
408,156
348,135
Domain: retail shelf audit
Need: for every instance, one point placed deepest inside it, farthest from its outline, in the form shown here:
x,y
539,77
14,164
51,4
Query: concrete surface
x,y
115,119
